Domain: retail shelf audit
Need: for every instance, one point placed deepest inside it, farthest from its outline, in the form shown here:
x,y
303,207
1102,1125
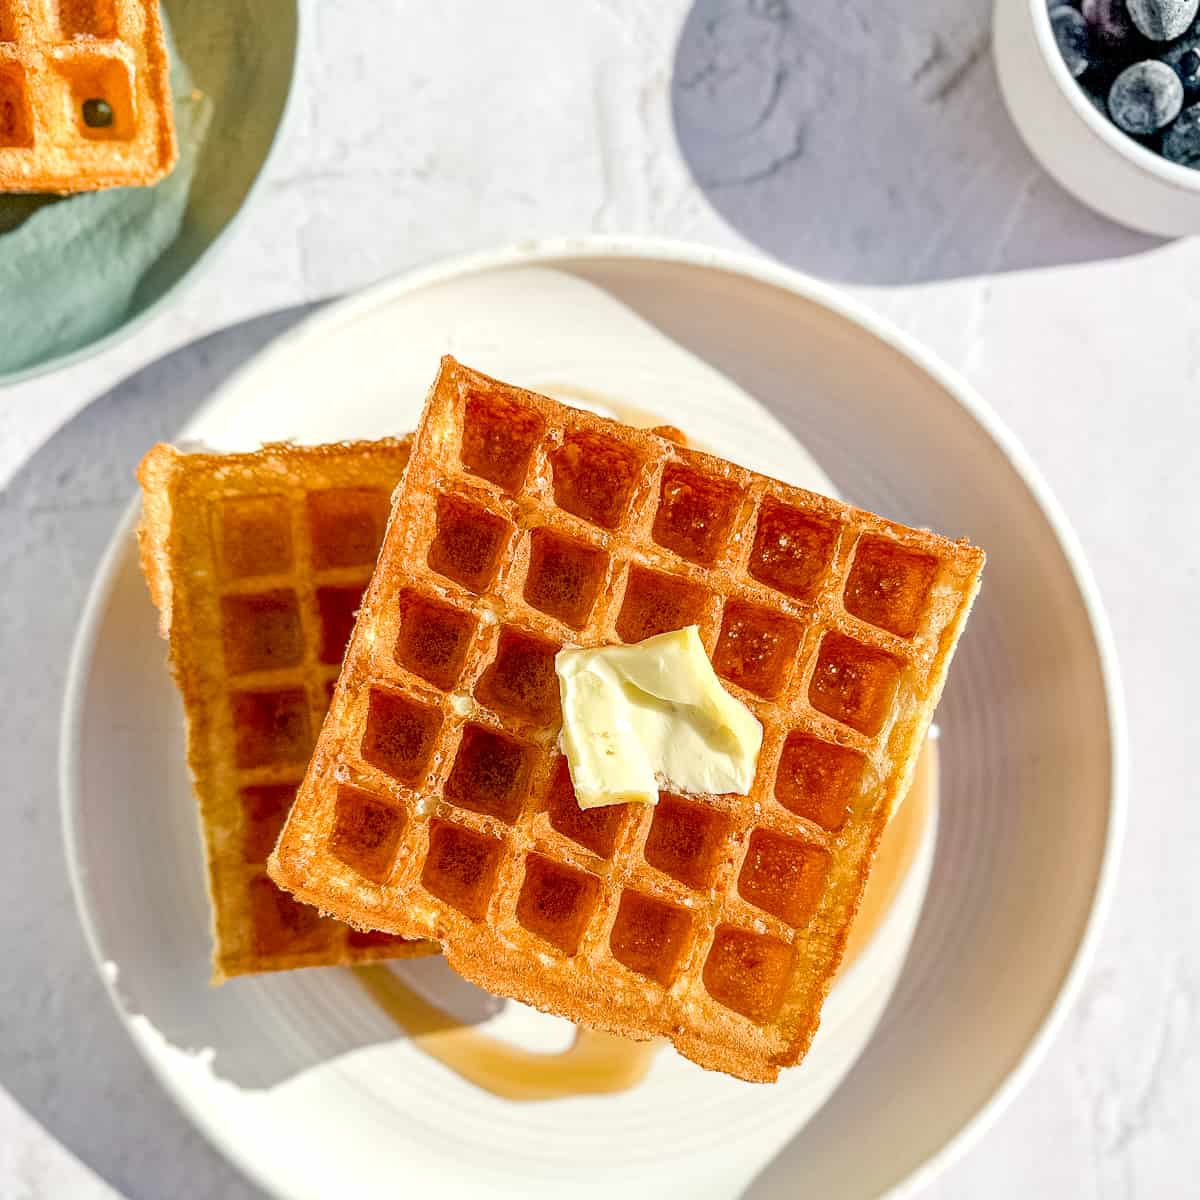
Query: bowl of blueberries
x,y
1106,93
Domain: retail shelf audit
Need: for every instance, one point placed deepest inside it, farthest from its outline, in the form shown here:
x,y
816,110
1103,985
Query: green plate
x,y
242,55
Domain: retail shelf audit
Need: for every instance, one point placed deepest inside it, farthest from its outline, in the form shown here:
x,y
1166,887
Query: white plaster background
x,y
864,140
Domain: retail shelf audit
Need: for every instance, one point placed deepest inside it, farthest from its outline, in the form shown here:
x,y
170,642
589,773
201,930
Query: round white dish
x,y
1079,146
295,1076
557,333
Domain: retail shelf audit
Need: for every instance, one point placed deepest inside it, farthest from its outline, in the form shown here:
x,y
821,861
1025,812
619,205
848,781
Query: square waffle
x,y
257,563
522,526
85,100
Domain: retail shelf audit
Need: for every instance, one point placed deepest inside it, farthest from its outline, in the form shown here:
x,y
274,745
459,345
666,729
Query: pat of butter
x,y
651,715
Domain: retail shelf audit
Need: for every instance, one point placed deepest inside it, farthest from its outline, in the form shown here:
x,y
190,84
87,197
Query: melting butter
x,y
652,714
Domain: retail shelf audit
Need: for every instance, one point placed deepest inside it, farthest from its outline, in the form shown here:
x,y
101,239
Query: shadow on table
x,y
866,141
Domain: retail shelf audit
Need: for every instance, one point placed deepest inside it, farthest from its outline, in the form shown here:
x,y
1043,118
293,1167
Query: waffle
x,y
85,100
715,921
257,563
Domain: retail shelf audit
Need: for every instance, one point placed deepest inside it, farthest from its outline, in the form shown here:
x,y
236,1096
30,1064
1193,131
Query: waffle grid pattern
x,y
258,563
58,60
717,921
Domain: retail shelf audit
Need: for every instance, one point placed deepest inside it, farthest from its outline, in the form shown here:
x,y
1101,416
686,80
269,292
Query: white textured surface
x,y
864,141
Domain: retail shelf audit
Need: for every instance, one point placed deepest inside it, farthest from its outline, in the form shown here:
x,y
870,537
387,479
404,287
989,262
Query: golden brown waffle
x,y
85,100
436,803
257,563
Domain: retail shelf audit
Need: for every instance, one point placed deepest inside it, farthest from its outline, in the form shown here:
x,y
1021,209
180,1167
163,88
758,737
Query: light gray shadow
x,y
867,141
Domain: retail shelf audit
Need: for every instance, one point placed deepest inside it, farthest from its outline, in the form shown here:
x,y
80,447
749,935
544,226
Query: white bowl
x,y
1078,145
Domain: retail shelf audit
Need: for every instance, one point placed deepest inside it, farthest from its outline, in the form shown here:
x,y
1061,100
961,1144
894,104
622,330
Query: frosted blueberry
x,y
1181,143
1184,59
1071,34
1108,21
1189,68
1163,20
1145,97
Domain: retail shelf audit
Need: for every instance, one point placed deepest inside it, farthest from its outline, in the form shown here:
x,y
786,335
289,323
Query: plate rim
x,y
204,260
546,253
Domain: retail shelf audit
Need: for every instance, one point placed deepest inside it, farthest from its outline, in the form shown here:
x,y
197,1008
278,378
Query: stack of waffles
x,y
436,804
84,95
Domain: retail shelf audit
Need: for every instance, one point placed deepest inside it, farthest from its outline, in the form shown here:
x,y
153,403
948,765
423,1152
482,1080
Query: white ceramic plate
x,y
300,1081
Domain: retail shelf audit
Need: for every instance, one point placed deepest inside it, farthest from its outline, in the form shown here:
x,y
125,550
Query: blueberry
x,y
1189,68
97,114
1181,143
1145,97
1163,20
1071,34
1108,21
1184,59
